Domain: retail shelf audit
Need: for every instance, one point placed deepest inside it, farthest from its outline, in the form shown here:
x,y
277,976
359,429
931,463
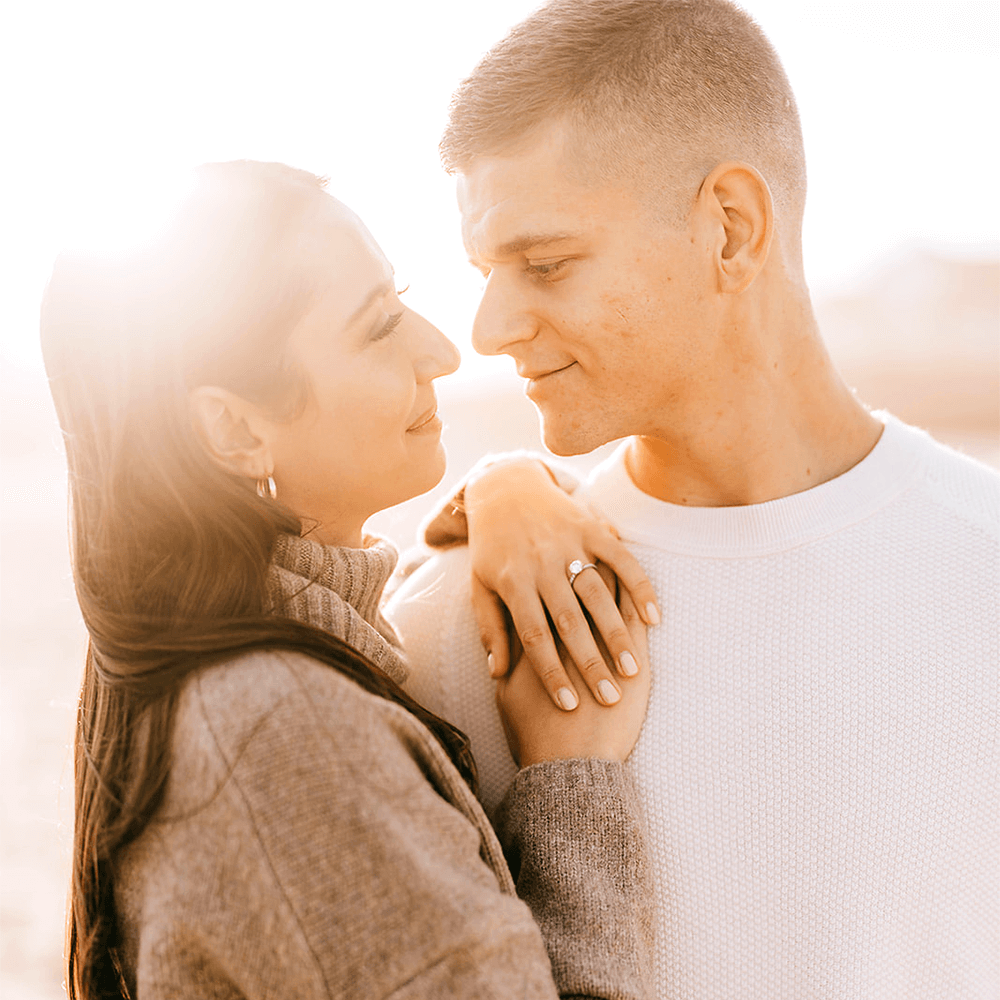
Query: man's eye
x,y
545,269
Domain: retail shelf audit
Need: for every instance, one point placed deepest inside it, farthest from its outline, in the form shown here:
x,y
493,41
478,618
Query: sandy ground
x,y
43,644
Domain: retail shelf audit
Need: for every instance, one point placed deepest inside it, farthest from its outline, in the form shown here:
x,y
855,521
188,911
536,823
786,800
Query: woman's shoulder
x,y
238,697
284,709
284,776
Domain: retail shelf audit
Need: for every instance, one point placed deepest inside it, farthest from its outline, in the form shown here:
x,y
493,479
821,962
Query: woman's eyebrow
x,y
378,292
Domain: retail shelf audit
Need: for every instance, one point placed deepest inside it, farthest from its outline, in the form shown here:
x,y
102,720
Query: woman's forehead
x,y
335,233
343,260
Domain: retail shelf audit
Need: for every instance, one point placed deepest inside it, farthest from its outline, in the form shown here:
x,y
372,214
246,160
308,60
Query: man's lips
x,y
543,373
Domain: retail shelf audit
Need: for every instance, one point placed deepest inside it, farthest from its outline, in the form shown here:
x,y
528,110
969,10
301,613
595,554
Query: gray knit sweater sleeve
x,y
316,842
573,834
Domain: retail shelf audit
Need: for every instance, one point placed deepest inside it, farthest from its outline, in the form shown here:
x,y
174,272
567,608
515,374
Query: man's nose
x,y
502,318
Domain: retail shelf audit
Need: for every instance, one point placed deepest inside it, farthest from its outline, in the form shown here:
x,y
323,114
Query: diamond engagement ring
x,y
576,567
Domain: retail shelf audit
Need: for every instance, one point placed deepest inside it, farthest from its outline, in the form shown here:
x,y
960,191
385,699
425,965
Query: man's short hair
x,y
664,90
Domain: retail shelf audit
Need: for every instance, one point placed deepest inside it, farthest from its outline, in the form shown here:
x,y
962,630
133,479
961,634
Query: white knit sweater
x,y
819,762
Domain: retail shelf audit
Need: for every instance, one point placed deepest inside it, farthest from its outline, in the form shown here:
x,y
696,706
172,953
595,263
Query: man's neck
x,y
778,433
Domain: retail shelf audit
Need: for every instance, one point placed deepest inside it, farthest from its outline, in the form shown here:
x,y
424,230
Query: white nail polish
x,y
608,692
629,667
566,698
652,615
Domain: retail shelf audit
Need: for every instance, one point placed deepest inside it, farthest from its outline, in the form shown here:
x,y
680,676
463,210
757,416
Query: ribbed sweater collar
x,y
339,590
756,529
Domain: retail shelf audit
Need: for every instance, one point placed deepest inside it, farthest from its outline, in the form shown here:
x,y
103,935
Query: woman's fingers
x,y
533,630
491,617
595,592
592,593
608,549
635,625
576,634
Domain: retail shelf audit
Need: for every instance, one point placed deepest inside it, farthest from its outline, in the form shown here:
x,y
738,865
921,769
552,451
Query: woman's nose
x,y
436,355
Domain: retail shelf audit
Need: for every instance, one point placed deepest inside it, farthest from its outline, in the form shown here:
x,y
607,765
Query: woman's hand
x,y
537,730
524,532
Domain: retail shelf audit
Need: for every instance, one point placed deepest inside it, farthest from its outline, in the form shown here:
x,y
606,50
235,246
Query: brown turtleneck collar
x,y
339,590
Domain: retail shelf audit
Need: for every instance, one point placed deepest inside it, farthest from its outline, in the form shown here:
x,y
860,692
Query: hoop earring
x,y
266,489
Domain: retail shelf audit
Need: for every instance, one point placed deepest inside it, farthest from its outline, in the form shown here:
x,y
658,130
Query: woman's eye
x,y
388,326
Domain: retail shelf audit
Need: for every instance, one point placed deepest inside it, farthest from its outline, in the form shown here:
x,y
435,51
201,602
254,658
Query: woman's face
x,y
368,436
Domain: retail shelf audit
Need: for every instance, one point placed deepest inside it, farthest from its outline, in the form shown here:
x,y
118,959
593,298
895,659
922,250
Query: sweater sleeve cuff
x,y
574,834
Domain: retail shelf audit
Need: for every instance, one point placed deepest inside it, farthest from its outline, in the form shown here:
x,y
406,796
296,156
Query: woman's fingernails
x,y
491,662
608,692
566,699
627,662
652,614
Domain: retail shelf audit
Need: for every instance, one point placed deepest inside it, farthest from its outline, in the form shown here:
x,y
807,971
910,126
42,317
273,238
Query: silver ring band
x,y
576,567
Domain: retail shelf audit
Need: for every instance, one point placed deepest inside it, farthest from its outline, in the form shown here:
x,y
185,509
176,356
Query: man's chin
x,y
565,441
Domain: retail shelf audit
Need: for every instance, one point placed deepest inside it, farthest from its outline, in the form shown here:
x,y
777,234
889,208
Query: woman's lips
x,y
428,421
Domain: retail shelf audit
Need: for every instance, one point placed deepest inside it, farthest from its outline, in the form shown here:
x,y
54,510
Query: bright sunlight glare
x,y
108,100
123,214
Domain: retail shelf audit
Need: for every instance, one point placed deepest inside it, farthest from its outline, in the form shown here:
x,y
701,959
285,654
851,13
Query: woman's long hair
x,y
170,551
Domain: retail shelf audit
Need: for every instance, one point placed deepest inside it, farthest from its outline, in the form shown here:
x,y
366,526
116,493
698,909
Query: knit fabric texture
x,y
340,590
315,841
819,761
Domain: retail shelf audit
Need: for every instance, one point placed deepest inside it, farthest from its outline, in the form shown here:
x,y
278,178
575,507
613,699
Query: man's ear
x,y
232,431
738,202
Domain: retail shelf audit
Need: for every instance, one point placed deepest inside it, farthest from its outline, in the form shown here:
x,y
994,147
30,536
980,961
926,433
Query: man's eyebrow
x,y
378,292
529,241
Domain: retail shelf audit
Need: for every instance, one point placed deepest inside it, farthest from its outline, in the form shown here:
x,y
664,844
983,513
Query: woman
x,y
260,809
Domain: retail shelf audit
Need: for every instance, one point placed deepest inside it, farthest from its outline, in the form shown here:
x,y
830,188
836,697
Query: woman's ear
x,y
738,202
232,431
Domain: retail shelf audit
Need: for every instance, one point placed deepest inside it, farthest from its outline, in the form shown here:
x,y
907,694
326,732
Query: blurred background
x,y
105,102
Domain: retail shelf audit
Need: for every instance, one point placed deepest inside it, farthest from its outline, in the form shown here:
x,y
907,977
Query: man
x,y
819,759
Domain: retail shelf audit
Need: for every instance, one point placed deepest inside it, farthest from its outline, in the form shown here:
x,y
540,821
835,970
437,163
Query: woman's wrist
x,y
447,526
503,480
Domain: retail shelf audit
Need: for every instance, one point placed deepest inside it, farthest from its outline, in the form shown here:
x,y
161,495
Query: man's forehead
x,y
540,151
504,215
510,226
521,197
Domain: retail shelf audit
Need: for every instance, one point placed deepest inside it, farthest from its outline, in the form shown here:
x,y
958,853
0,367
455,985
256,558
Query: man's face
x,y
609,313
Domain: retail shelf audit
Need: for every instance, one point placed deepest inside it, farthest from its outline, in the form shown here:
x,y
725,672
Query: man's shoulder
x,y
432,582
431,611
957,482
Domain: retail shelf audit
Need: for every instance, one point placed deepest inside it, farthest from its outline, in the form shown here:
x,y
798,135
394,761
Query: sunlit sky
x,y
107,102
